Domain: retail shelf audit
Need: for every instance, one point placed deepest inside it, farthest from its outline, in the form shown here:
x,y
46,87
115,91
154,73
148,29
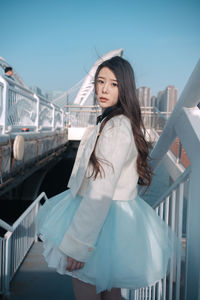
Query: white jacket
x,y
115,145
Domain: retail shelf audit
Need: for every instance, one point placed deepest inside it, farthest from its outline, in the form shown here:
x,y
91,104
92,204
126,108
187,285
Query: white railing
x,y
154,119
82,115
20,108
16,242
175,207
171,208
1,102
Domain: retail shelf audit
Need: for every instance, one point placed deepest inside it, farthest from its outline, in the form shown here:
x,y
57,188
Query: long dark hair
x,y
127,105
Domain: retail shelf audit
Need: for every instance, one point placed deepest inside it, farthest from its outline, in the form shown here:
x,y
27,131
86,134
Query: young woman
x,y
100,231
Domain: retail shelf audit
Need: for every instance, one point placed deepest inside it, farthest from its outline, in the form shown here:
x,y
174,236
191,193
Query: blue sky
x,y
53,44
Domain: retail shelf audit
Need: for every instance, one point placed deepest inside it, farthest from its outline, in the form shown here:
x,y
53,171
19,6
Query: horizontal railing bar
x,y
79,106
147,107
13,82
5,225
84,111
21,126
173,186
149,112
21,93
8,227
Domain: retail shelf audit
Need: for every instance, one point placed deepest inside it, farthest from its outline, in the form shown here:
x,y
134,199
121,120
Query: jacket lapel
x,y
82,159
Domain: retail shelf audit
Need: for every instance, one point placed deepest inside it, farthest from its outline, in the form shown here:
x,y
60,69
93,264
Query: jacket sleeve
x,y
113,146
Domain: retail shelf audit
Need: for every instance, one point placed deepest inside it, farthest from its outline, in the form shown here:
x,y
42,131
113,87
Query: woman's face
x,y
107,88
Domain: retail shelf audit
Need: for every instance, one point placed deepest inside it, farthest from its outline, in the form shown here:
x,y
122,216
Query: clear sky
x,y
52,44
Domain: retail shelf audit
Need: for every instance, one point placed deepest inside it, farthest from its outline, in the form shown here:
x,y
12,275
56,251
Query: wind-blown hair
x,y
127,105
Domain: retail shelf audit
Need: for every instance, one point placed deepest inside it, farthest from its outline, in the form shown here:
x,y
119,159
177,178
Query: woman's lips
x,y
102,99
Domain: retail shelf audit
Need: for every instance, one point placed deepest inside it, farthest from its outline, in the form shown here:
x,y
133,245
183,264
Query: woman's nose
x,y
105,88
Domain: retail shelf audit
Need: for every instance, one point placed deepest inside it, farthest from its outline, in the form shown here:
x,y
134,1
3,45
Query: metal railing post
x,y
192,274
62,120
37,112
53,117
3,116
7,263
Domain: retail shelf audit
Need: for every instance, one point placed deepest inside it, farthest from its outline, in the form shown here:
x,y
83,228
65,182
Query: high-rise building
x,y
167,99
153,101
159,99
144,96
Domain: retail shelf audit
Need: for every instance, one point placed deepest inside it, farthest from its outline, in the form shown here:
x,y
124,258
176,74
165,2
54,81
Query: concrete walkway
x,y
35,281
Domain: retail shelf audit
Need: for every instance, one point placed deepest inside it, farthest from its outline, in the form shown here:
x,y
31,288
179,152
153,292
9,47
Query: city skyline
x,y
53,44
165,100
143,93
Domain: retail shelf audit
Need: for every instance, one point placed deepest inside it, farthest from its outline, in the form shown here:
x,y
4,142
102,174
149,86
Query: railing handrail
x,y
175,184
39,112
12,228
82,106
13,82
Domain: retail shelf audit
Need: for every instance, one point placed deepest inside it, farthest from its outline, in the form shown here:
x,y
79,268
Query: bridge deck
x,y
35,280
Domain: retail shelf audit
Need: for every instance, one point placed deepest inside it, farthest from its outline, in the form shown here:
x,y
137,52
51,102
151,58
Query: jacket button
x,y
90,249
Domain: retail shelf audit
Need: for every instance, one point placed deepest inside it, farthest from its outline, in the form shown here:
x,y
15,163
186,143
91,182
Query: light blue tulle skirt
x,y
132,250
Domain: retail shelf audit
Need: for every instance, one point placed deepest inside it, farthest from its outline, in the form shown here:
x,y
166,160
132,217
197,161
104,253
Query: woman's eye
x,y
114,84
100,81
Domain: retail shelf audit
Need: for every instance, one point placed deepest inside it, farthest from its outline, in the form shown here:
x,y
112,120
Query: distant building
x,y
166,100
153,101
51,95
144,96
159,99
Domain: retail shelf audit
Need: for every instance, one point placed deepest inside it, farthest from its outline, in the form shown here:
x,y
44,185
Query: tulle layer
x,y
132,250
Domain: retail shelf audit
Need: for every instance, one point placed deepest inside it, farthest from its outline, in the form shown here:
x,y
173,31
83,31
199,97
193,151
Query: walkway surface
x,y
35,281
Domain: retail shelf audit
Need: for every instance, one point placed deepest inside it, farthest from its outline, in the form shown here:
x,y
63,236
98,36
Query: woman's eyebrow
x,y
104,78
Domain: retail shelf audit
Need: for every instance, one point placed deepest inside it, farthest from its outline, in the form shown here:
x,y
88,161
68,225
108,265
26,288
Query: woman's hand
x,y
73,264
